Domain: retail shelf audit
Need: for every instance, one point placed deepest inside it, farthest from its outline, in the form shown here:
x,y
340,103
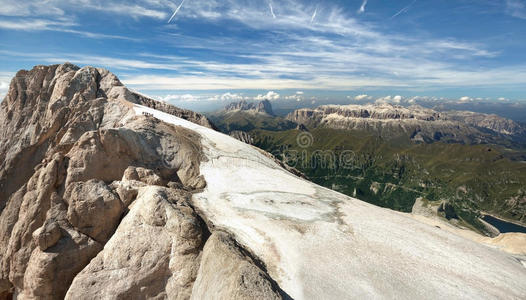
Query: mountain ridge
x,y
423,124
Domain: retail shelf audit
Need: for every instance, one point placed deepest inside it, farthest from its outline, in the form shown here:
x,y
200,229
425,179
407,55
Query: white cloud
x,y
397,99
338,52
155,82
34,24
269,96
362,97
231,97
416,99
5,79
323,73
465,99
183,98
4,86
296,97
60,26
157,9
383,100
18,8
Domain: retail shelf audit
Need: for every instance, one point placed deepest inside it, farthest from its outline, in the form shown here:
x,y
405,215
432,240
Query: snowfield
x,y
319,244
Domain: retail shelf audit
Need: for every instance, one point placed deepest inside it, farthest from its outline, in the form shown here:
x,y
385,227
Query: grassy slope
x,y
393,173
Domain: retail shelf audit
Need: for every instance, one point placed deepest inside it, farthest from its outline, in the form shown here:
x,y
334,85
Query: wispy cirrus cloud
x,y
308,45
59,26
34,24
516,8
156,9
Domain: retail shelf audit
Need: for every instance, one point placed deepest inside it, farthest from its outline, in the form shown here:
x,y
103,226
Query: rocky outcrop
x,y
229,272
259,107
153,254
94,198
51,107
418,123
243,136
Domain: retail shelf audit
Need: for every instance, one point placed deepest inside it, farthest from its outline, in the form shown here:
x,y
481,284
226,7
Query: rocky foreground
x,y
107,194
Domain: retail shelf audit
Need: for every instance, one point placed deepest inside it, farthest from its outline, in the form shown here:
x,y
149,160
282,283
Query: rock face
x,y
242,136
421,124
491,122
154,253
260,107
105,196
228,272
94,198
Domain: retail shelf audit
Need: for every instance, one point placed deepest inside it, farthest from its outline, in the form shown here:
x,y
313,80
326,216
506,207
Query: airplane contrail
x,y
403,10
314,15
176,11
271,10
362,8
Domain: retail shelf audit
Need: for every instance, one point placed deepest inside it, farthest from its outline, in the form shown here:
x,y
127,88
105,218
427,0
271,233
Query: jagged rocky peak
x,y
259,107
371,111
94,197
243,136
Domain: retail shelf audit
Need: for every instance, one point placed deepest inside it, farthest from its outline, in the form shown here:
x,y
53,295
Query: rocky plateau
x,y
421,124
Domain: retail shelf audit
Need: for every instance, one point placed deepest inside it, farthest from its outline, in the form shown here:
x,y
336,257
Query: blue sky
x,y
217,51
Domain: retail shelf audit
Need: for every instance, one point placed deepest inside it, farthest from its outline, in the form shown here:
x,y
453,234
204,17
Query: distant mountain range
x,y
416,118
421,124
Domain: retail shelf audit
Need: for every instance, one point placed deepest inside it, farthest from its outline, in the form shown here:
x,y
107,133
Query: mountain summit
x,y
259,107
109,194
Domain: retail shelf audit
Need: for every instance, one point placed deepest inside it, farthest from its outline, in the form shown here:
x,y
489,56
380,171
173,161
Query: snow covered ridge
x,y
319,244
